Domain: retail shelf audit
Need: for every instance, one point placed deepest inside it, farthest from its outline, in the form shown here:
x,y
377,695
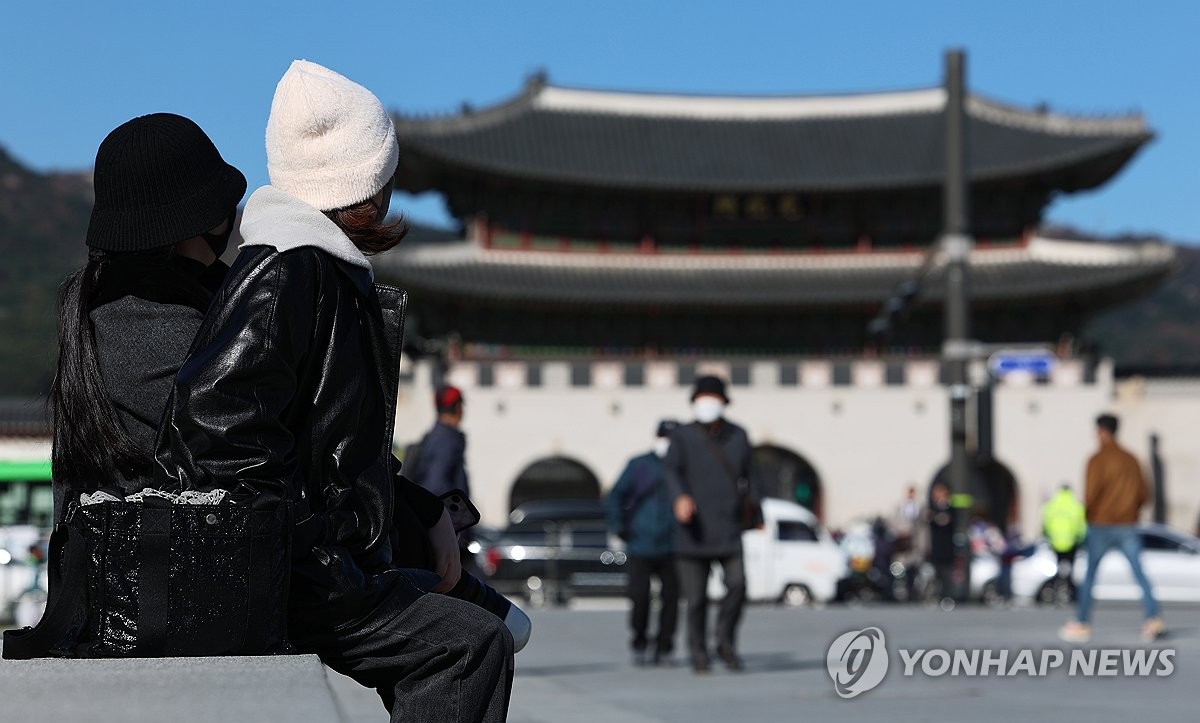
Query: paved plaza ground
x,y
577,670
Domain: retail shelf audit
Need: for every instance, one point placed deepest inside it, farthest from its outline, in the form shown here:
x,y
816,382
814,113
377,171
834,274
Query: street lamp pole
x,y
956,246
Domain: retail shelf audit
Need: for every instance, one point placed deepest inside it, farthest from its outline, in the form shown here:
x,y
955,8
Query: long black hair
x,y
91,447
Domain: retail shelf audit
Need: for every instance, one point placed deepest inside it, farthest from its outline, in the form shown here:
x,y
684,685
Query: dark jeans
x,y
430,657
639,570
693,581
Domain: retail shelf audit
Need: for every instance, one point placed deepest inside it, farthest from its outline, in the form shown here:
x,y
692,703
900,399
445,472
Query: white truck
x,y
792,559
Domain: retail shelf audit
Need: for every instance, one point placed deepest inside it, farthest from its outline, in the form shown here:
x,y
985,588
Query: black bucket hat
x,y
710,385
159,180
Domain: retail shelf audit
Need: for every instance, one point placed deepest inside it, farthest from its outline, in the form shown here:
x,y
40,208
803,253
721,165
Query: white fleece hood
x,y
283,222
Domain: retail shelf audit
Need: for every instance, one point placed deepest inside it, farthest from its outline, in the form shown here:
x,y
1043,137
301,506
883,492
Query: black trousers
x,y
693,580
430,657
1066,562
640,570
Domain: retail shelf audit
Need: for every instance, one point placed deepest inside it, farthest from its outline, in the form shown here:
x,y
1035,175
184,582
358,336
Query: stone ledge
x,y
290,688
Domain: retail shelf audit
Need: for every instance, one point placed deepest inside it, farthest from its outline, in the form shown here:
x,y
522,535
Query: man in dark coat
x,y
441,465
709,459
639,511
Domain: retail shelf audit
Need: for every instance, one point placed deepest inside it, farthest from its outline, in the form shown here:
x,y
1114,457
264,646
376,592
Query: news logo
x,y
857,661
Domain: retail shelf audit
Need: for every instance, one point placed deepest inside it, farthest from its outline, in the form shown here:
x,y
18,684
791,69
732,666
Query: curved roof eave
x,y
1062,163
538,96
600,139
1045,267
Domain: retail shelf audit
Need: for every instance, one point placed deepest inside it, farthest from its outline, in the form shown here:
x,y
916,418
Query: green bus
x,y
25,494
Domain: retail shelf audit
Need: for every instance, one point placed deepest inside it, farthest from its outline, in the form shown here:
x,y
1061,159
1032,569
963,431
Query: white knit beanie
x,y
330,143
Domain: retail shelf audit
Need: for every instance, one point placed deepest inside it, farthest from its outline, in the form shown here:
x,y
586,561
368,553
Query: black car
x,y
555,549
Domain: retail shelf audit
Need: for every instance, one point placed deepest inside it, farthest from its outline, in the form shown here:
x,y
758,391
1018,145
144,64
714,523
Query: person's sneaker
x,y
1153,629
700,665
663,658
640,657
1075,632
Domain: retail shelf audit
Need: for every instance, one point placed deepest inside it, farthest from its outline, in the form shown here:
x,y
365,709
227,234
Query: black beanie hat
x,y
710,385
159,180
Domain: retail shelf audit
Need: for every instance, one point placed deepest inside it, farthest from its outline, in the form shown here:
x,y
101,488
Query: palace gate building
x,y
612,246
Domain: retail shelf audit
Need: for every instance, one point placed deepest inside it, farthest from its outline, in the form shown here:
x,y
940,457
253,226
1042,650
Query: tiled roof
x,y
1042,267
772,144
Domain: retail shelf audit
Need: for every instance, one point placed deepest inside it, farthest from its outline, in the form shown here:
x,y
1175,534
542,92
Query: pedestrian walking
x,y
1115,492
708,476
639,511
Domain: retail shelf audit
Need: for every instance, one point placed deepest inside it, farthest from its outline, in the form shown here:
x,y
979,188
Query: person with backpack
x,y
638,510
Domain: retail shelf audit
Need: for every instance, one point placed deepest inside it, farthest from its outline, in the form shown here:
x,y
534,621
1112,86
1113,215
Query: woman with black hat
x,y
164,210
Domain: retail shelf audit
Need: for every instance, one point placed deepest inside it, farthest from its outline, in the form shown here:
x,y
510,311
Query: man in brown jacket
x,y
1115,492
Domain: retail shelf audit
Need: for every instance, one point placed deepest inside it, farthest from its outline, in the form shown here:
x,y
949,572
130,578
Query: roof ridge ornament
x,y
537,80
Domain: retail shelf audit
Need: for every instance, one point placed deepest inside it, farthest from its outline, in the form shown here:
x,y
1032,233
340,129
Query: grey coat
x,y
143,324
692,467
141,345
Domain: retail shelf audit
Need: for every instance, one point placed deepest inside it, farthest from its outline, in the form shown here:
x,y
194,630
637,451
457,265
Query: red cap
x,y
447,397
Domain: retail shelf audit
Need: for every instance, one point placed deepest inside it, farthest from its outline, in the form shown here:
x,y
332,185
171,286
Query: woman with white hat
x,y
289,392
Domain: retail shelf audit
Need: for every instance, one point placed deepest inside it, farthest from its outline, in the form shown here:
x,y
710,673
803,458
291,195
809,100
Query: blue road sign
x,y
1034,362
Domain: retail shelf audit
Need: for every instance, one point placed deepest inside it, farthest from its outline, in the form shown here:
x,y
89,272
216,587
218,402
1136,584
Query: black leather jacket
x,y
288,391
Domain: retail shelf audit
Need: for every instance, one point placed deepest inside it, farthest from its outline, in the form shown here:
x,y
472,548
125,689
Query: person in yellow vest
x,y
1064,522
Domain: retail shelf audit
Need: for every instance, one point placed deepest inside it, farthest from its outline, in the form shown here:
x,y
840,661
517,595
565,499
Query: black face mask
x,y
218,242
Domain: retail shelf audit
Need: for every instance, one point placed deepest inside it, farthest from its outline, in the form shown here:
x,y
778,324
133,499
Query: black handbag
x,y
155,579
749,509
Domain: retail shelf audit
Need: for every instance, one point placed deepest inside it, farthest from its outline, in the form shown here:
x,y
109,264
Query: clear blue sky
x,y
71,71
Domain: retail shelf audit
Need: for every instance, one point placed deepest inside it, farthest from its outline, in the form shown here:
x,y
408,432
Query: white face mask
x,y
708,409
661,445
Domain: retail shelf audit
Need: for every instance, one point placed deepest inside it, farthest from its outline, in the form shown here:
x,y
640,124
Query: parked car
x,y
1170,558
792,559
555,549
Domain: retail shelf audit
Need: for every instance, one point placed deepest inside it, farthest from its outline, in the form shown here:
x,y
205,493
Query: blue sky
x,y
71,71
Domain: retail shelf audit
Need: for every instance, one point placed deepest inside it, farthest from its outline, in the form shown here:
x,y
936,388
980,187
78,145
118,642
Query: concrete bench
x,y
290,688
